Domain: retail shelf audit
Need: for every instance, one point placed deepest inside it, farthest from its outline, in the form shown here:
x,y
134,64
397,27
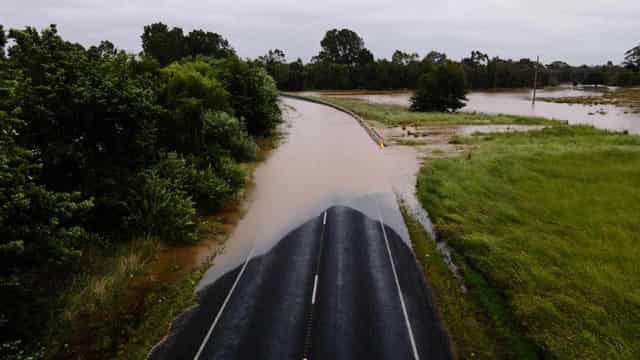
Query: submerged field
x,y
397,115
546,223
627,97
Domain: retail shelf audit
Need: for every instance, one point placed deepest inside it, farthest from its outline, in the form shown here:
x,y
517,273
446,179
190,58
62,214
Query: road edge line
x,y
224,304
400,293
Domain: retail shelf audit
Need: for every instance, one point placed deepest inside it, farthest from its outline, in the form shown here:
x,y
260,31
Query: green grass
x,y
396,115
548,224
470,333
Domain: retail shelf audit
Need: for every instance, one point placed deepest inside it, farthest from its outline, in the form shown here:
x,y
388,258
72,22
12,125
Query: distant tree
x,y
200,42
475,67
594,77
402,58
477,58
3,41
435,57
342,47
297,76
365,57
632,58
163,44
275,62
442,89
275,56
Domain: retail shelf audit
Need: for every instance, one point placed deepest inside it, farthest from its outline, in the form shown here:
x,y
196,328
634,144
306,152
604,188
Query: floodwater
x,y
518,102
327,159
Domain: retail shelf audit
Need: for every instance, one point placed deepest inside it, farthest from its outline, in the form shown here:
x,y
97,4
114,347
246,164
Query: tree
x,y
297,75
365,57
254,95
275,62
402,58
200,42
163,44
341,47
435,57
632,58
275,56
594,77
442,89
3,42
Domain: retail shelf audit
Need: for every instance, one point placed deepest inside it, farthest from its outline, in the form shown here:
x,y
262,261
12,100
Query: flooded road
x,y
327,159
518,102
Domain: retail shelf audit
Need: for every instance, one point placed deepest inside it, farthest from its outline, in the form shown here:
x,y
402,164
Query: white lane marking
x,y
324,220
224,304
400,294
315,287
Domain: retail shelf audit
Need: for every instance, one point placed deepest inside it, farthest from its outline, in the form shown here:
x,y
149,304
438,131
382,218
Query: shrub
x,y
254,95
163,210
209,187
227,134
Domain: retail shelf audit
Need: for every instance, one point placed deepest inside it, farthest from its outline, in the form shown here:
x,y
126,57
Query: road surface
x,y
341,286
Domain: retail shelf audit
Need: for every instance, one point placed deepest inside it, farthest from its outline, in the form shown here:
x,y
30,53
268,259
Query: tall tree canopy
x,y
442,89
343,47
168,46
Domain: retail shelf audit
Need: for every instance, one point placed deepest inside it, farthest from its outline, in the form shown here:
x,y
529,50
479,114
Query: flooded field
x,y
518,102
327,159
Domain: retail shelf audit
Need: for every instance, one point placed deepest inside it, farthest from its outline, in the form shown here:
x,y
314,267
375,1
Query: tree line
x,y
344,62
99,147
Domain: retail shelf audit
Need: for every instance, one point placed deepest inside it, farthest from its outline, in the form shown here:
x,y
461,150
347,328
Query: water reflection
x,y
518,102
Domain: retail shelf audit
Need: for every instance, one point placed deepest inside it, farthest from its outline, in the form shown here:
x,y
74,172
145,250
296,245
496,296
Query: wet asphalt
x,y
328,290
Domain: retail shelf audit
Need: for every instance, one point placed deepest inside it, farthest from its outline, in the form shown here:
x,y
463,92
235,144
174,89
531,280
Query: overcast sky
x,y
576,31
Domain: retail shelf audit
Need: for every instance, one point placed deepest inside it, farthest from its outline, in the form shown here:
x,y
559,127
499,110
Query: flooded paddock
x,y
518,102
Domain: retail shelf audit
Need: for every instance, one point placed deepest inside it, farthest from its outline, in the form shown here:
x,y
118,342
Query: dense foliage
x,y
167,45
442,89
99,147
345,63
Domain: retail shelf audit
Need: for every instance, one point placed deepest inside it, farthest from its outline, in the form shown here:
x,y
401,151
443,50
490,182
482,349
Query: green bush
x,y
226,133
161,209
209,188
442,89
254,95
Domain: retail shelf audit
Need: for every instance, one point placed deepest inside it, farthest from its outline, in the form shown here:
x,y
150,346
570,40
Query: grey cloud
x,y
588,31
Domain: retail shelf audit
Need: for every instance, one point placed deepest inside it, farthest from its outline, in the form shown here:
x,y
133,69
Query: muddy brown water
x,y
518,102
327,159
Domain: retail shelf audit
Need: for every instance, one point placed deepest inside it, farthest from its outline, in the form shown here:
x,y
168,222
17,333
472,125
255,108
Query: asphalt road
x,y
341,286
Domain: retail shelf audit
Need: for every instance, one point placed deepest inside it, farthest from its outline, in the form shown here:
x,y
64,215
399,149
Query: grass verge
x,y
396,115
469,330
546,224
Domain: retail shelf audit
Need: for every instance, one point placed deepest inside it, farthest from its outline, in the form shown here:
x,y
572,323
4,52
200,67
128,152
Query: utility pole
x,y
535,81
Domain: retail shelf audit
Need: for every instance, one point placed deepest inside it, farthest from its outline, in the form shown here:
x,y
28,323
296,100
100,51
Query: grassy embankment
x,y
127,297
469,330
545,225
397,115
628,97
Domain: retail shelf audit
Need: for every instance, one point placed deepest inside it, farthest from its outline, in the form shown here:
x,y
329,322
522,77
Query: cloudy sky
x,y
576,31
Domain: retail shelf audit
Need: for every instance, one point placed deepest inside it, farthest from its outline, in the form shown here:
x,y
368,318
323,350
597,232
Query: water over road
x,y
305,274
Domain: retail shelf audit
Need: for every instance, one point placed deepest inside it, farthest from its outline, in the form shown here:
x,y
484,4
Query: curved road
x,y
343,285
